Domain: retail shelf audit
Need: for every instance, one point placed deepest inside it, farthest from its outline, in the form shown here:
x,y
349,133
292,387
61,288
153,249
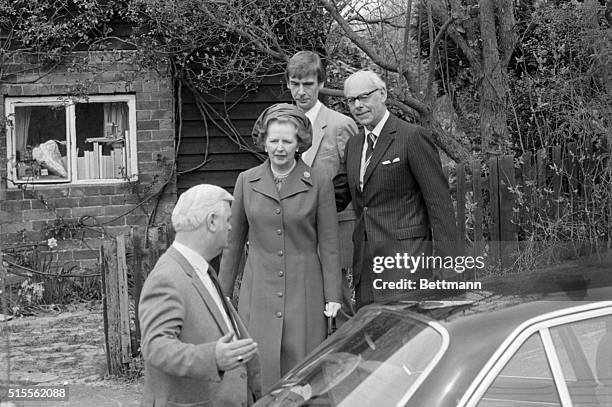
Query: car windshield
x,y
374,361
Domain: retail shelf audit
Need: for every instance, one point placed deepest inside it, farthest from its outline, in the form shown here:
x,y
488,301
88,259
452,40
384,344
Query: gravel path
x,y
64,348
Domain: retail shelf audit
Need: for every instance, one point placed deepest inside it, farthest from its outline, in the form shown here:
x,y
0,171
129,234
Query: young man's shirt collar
x,y
314,111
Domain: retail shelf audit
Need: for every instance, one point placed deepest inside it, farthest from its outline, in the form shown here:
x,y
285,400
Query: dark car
x,y
480,349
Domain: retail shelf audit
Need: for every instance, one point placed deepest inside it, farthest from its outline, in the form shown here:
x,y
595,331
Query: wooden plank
x,y
507,199
216,145
461,190
238,161
195,128
557,179
494,246
103,272
242,111
112,307
478,208
528,175
541,168
270,93
571,162
224,179
245,110
543,199
138,274
124,300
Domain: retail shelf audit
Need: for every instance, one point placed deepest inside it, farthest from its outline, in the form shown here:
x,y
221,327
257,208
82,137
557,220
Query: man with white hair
x,y
401,197
195,347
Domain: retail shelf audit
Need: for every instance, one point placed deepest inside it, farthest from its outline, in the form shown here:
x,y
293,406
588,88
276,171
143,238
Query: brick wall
x,y
84,214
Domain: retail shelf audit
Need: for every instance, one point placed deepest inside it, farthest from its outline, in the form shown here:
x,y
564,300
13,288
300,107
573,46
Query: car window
x,y
374,364
526,380
584,349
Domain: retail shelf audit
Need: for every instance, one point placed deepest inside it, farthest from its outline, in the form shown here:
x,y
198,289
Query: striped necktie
x,y
371,141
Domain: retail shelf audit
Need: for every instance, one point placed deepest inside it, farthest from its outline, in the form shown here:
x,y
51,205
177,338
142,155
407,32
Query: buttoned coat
x,y
405,199
292,268
181,324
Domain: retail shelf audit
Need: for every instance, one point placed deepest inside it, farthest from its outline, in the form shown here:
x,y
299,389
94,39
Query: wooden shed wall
x,y
225,159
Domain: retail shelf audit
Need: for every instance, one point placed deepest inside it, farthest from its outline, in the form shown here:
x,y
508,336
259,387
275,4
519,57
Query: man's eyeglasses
x,y
362,98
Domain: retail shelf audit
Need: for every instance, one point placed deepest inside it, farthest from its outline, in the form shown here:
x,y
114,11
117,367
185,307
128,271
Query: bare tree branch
x,y
356,39
442,31
448,144
440,12
433,56
385,20
433,52
257,42
406,52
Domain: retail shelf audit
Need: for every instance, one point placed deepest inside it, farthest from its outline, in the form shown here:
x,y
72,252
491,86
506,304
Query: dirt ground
x,y
64,348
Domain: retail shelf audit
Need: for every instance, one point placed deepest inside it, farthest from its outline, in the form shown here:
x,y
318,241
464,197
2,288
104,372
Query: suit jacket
x,y
331,131
405,198
180,326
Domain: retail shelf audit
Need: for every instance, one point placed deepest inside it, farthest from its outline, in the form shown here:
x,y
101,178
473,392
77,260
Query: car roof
x,y
479,322
518,297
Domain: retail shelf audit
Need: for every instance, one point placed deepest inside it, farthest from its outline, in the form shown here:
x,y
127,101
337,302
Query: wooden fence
x,y
115,301
501,198
124,267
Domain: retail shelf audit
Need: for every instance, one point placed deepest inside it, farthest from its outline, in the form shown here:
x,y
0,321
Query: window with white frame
x,y
59,140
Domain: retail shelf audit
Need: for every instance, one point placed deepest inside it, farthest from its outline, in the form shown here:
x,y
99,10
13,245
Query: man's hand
x,y
230,354
331,309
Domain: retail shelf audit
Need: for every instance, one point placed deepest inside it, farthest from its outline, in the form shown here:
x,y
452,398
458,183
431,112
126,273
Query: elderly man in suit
x,y
395,181
197,352
305,75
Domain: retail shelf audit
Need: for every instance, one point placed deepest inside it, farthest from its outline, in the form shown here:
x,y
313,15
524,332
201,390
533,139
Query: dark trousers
x,y
364,293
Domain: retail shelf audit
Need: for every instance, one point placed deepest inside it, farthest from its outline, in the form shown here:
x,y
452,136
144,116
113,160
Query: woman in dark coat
x,y
287,213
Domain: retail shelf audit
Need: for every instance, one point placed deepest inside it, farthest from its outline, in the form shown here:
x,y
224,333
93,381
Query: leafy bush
x,y
561,94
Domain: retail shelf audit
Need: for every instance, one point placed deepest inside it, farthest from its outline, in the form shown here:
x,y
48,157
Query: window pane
x,y
102,130
526,380
585,354
373,363
40,143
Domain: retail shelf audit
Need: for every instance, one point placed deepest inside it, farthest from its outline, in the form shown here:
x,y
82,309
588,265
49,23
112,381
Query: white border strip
x,y
555,367
432,364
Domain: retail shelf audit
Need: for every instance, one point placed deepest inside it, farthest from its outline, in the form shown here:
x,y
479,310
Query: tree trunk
x,y
493,85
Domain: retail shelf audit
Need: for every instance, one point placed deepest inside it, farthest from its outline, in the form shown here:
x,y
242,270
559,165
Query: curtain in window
x,y
115,115
22,127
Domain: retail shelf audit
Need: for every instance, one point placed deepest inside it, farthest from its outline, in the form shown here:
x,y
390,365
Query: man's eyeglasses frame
x,y
362,98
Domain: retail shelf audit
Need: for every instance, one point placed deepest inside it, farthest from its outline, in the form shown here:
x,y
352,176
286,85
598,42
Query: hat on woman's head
x,y
283,112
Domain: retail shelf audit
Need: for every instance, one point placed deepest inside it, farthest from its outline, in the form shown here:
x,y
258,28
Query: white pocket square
x,y
396,160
